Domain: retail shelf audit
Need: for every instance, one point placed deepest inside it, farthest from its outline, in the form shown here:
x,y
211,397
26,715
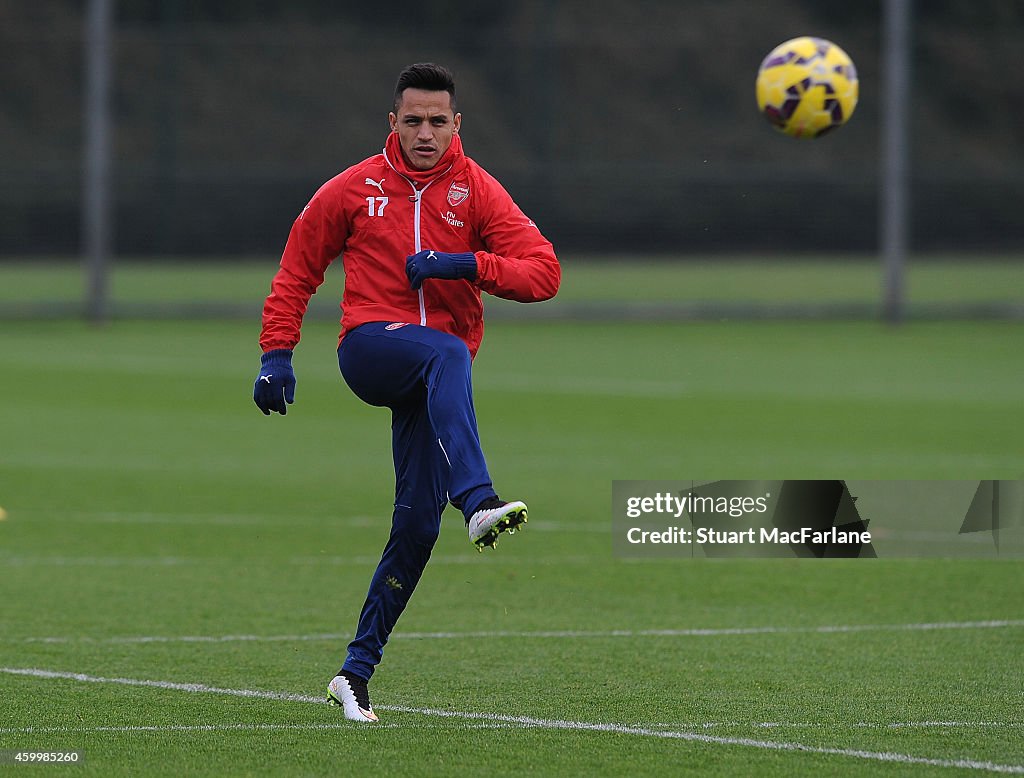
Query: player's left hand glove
x,y
437,264
275,385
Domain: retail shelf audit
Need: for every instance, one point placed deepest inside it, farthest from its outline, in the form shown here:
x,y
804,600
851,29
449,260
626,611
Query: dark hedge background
x,y
617,126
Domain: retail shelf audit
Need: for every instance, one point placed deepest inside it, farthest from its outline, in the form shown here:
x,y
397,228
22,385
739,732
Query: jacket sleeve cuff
x,y
277,356
466,265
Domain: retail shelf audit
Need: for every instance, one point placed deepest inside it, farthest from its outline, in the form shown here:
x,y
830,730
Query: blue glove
x,y
275,384
436,264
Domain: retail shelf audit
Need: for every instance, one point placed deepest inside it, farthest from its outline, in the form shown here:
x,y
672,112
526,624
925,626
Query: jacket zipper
x,y
418,195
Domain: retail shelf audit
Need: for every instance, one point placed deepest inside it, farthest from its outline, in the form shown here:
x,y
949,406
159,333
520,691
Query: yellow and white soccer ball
x,y
807,87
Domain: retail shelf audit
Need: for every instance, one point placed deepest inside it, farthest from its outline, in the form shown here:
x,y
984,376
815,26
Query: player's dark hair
x,y
427,76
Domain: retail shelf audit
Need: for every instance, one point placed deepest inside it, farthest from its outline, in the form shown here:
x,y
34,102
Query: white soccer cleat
x,y
350,692
492,518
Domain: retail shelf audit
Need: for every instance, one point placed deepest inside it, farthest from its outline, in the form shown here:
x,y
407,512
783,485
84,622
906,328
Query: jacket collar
x,y
453,158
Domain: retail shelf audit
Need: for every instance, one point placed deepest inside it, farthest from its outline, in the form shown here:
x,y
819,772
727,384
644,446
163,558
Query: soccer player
x,y
422,230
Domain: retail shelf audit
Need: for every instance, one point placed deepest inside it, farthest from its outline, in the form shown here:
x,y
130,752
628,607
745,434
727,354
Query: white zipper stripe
x,y
419,248
417,194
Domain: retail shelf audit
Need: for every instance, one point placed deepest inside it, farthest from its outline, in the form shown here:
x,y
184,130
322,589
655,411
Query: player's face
x,y
425,125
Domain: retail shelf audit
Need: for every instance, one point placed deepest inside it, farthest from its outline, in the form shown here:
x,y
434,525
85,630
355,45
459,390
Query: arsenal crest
x,y
457,193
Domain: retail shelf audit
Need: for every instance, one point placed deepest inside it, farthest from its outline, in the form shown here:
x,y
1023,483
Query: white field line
x,y
472,558
365,560
244,519
858,725
257,727
241,727
541,634
557,724
102,561
653,388
204,519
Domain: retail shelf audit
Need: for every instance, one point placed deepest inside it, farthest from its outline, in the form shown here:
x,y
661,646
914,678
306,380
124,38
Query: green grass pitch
x,y
161,530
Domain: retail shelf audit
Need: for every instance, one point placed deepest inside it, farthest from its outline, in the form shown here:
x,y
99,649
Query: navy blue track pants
x,y
424,377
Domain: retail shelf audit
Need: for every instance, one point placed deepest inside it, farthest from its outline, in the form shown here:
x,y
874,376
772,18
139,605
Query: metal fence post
x,y
893,202
96,162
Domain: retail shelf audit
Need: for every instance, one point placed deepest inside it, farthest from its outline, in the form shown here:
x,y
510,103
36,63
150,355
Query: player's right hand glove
x,y
274,389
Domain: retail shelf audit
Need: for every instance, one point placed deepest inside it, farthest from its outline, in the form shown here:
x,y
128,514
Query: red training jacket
x,y
381,210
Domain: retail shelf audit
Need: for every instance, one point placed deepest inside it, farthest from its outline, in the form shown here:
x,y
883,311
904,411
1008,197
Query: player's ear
x,y
393,121
457,121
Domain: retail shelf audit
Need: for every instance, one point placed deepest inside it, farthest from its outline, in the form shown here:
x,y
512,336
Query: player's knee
x,y
453,351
